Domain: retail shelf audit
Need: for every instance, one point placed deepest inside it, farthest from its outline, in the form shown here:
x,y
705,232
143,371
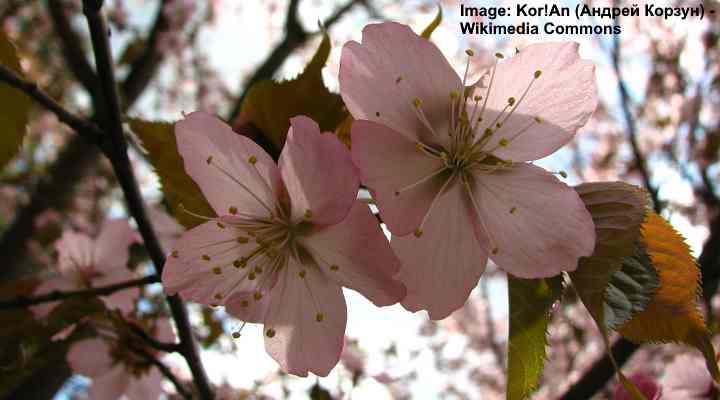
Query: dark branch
x,y
640,162
83,127
123,170
154,343
60,295
165,370
295,36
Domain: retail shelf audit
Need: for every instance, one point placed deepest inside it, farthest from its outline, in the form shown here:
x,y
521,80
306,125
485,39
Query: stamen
x,y
494,248
319,317
242,185
421,181
270,332
419,231
417,107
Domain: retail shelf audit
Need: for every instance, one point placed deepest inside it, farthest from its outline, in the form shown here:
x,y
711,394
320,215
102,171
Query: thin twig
x,y
56,295
83,127
165,370
154,343
123,170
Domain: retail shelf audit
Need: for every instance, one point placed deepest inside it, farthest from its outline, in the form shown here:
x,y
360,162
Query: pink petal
x,y
110,386
564,97
538,224
112,245
442,266
644,383
60,283
318,173
245,307
75,254
90,357
300,343
369,85
229,179
389,162
188,270
363,257
146,387
124,300
688,375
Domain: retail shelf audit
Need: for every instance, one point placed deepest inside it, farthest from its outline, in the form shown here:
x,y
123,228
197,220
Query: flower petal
x,y
200,253
389,162
146,387
229,179
111,246
75,254
442,266
538,224
124,300
318,173
60,283
110,386
90,357
299,343
564,96
356,254
381,77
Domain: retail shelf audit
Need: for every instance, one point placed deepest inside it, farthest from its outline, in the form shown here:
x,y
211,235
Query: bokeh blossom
x,y
644,383
687,378
448,163
287,239
84,262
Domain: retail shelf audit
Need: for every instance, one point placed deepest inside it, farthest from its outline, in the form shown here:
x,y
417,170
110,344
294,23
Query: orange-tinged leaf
x,y
673,314
158,138
15,106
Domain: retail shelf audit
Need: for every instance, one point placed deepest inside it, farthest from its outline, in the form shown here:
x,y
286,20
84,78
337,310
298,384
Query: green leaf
x,y
673,315
158,138
531,302
434,24
15,106
269,105
631,288
618,210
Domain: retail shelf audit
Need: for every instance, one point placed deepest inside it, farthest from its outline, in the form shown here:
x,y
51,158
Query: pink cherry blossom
x,y
687,378
450,162
644,383
84,262
286,240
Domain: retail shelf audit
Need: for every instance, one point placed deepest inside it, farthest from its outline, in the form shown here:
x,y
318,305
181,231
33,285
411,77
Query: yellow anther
x,y
257,296
242,239
217,270
470,52
498,125
499,55
503,142
301,274
220,225
240,263
398,79
308,214
252,160
488,132
513,210
209,159
258,270
418,232
270,332
232,210
477,98
417,102
454,94
319,317
537,74
495,250
218,296
377,114
511,100
236,335
206,257
175,254
538,120
397,193
563,174
244,303
252,276
334,267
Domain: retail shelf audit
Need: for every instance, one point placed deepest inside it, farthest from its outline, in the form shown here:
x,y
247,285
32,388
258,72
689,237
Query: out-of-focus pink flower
x,y
84,262
285,242
167,229
687,378
644,383
450,163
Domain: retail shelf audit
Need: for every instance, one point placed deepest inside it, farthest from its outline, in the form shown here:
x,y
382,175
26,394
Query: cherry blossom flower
x,y
286,240
687,378
84,262
644,383
448,164
127,378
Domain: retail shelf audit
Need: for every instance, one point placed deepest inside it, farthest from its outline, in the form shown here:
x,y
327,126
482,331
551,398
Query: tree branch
x,y
121,164
84,128
295,36
154,343
165,370
56,295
